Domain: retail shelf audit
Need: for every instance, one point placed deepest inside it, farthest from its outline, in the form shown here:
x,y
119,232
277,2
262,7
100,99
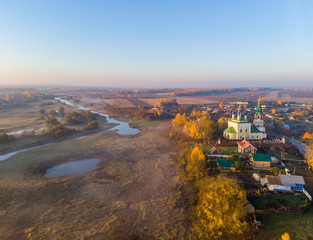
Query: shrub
x,y
92,125
4,138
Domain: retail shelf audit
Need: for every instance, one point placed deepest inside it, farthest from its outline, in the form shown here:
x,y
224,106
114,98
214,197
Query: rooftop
x,y
273,180
261,157
225,163
254,129
290,180
230,130
244,144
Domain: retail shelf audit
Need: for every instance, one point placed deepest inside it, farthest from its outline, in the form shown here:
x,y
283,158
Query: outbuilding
x,y
224,165
260,161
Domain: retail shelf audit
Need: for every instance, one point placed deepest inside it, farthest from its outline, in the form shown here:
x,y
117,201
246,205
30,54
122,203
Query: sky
x,y
177,43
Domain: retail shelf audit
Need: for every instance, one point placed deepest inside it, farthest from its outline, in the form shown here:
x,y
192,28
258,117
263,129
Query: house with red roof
x,y
245,147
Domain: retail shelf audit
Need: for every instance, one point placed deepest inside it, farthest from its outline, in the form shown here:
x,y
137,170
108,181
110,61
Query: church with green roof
x,y
239,127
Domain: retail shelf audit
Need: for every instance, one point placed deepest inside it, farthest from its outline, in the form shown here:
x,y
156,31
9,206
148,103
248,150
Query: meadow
x,y
133,193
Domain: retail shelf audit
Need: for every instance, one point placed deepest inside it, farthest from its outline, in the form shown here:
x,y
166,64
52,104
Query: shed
x,y
249,208
224,165
214,151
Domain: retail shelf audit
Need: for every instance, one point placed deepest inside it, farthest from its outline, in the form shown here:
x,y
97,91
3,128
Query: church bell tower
x,y
258,117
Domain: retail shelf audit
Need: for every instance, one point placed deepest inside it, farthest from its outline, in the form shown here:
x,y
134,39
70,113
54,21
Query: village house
x,y
214,151
245,147
285,183
260,160
224,165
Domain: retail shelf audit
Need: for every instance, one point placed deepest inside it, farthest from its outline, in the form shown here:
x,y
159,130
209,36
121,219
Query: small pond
x,y
72,168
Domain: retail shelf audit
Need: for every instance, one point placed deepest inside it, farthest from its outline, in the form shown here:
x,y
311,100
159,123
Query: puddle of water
x,y
72,168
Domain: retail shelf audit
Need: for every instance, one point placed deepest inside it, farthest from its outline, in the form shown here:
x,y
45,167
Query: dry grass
x,y
119,103
298,97
132,194
239,96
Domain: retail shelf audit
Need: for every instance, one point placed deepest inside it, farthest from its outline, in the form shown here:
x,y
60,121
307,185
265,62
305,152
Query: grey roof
x,y
291,180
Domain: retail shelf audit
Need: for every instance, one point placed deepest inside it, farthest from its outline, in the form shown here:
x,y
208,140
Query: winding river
x,y
122,128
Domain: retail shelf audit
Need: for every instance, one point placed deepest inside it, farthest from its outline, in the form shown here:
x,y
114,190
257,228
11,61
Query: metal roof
x,y
261,157
225,163
291,180
244,144
230,130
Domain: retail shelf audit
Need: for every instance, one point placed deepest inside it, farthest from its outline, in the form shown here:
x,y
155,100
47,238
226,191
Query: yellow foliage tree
x,y
307,135
195,114
160,103
279,102
219,213
285,236
222,123
180,120
309,156
195,164
221,105
274,111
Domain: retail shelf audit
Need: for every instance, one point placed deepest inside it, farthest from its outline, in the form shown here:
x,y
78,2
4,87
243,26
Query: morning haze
x,y
156,120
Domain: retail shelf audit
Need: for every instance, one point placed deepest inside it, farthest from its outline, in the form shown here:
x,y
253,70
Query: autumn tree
x,y
180,120
92,125
58,130
41,111
221,105
52,112
222,123
51,121
307,135
219,213
4,138
279,102
285,236
274,111
195,114
309,156
196,164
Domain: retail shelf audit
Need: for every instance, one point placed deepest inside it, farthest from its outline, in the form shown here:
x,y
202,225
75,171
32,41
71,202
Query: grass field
x,y
276,200
299,226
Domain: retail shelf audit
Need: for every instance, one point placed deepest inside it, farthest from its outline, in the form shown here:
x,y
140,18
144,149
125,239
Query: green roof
x,y
259,108
224,163
261,157
254,129
230,130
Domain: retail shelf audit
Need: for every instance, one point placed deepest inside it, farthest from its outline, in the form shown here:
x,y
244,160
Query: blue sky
x,y
157,43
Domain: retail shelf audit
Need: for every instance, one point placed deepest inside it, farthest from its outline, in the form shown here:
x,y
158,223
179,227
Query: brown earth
x,y
134,193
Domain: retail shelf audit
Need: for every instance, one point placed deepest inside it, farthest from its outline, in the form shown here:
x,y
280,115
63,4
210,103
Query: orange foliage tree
x,y
307,135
